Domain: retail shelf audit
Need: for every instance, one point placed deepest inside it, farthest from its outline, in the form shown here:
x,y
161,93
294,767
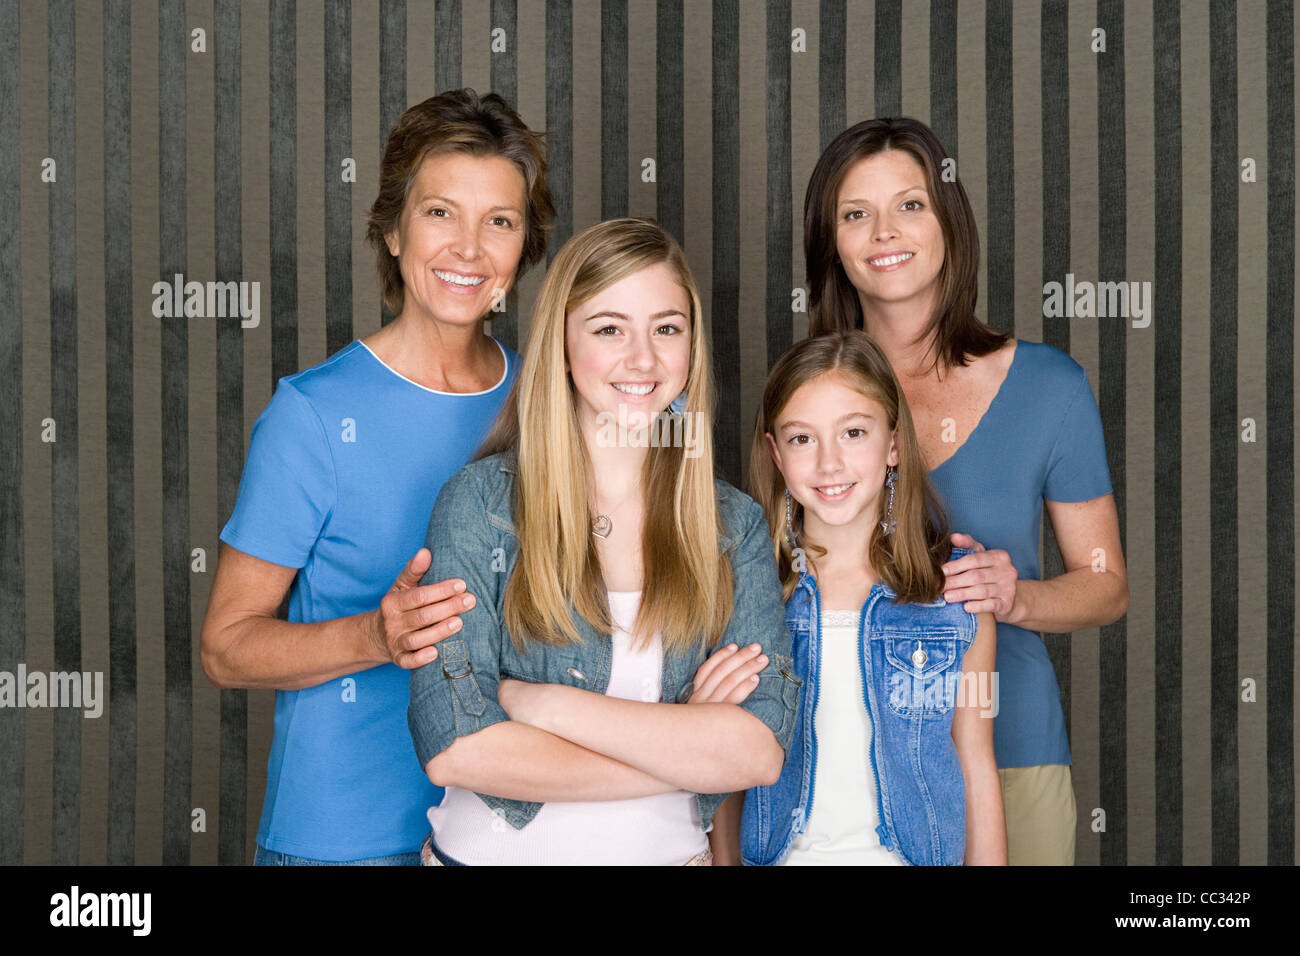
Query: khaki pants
x,y
1038,803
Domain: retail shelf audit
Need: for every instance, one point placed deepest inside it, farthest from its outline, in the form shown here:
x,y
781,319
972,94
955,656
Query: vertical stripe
x,y
119,353
613,109
13,598
831,85
889,64
559,118
284,190
1280,461
227,64
504,81
1168,308
1056,256
1223,434
726,239
669,90
173,49
1000,236
780,333
446,40
63,405
392,86
338,193
1112,362
943,73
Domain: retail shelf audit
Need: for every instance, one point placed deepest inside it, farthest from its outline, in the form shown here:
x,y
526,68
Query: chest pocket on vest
x,y
922,671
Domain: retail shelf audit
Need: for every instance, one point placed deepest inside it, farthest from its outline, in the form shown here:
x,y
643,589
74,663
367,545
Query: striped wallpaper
x,y
139,141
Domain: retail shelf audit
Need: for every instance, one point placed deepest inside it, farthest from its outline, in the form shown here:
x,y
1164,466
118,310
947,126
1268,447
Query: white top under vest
x,y
841,830
659,829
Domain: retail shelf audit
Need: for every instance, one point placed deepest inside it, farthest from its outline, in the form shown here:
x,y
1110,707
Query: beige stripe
x,y
915,54
368,152
530,27
586,114
697,150
972,146
642,108
1027,106
752,228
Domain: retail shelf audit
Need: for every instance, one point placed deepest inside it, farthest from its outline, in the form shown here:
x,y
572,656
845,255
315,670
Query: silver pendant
x,y
602,526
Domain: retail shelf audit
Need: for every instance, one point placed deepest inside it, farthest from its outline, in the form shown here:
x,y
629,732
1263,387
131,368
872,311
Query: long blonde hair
x,y
687,586
910,560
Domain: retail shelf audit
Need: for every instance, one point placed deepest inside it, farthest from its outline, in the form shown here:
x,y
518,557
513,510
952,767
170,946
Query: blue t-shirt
x,y
1041,438
343,468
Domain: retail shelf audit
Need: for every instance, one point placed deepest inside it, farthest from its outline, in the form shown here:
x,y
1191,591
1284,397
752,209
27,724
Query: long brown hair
x,y
687,590
910,560
958,335
457,121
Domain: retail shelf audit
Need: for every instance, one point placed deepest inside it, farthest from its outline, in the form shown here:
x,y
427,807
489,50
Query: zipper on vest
x,y
816,629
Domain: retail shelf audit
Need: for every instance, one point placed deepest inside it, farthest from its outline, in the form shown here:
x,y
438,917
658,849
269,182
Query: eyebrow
x,y
901,192
451,202
839,421
610,314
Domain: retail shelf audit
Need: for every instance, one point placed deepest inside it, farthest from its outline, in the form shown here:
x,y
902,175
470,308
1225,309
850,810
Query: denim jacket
x,y
910,657
472,537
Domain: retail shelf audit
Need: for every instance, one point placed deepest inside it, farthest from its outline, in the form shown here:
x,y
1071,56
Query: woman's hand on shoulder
x,y
984,581
728,676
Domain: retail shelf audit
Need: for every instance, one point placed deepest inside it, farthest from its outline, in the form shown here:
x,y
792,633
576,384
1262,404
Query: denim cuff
x,y
448,703
775,701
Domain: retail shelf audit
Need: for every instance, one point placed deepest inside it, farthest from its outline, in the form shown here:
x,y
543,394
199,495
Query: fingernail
x,y
731,647
469,600
459,586
454,625
755,647
754,678
762,658
434,654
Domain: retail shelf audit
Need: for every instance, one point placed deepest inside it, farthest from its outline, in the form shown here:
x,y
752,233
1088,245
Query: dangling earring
x,y
889,525
789,523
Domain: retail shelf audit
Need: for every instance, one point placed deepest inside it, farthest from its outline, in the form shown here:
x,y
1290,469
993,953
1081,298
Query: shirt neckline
x,y
504,374
988,412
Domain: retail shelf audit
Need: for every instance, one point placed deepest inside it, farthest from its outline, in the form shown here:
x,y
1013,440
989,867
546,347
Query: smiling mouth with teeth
x,y
833,490
891,260
636,389
455,279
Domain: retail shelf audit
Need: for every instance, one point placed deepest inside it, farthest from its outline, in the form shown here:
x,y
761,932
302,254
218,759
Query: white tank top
x,y
841,830
659,829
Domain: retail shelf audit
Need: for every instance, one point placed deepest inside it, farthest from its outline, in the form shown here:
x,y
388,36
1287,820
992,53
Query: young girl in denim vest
x,y
892,756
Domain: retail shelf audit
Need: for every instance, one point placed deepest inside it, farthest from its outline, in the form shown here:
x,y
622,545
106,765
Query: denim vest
x,y
472,536
910,657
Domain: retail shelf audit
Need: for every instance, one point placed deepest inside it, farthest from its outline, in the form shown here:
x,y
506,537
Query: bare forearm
x,y
518,762
265,653
1073,601
724,838
986,825
705,748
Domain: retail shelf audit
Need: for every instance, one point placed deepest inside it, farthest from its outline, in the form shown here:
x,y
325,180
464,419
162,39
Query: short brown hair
x,y
834,304
457,121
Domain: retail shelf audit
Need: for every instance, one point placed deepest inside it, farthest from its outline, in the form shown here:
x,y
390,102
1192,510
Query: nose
x,y
640,352
465,244
885,227
829,459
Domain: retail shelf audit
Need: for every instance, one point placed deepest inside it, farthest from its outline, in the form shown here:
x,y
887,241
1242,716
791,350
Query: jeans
x,y
265,857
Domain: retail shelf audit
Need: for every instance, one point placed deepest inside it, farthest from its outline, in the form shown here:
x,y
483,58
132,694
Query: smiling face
x,y
460,236
887,235
628,349
833,445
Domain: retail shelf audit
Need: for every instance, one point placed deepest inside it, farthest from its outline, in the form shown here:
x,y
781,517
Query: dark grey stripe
x,y
613,109
943,72
559,118
227,57
65,838
669,91
1000,149
1224,794
1281,433
505,81
726,239
1168,309
338,194
446,38
392,88
780,320
13,598
284,190
889,60
1112,352
831,78
119,356
173,53
1056,256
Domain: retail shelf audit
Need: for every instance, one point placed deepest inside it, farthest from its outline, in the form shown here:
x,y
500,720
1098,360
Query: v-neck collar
x,y
988,412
